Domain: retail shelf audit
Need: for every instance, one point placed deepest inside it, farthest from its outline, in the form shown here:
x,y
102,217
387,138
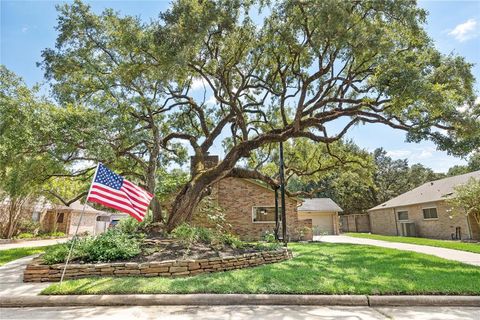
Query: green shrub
x,y
51,234
56,254
108,246
132,227
56,234
185,233
112,245
191,234
25,235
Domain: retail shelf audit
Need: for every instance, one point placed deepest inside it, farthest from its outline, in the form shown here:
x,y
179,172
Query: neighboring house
x,y
324,215
423,212
66,219
249,208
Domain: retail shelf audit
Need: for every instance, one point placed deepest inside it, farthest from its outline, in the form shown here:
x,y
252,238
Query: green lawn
x,y
17,253
457,245
317,268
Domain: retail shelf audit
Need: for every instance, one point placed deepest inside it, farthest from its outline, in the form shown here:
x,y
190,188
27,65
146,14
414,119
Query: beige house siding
x,y
383,222
386,222
87,225
322,222
238,197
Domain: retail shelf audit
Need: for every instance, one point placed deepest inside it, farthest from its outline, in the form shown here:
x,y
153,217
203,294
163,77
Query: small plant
x,y
262,246
232,241
269,236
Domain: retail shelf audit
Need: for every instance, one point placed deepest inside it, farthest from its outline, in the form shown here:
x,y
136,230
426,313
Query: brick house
x,y
66,218
249,208
423,212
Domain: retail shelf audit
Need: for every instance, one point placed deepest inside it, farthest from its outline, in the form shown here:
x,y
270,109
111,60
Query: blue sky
x,y
27,27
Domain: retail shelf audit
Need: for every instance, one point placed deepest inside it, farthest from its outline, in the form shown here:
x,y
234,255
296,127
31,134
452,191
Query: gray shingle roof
x,y
429,191
319,204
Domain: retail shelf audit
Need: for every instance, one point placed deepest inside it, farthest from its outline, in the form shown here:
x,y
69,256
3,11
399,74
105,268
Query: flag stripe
x,y
134,191
118,205
148,195
122,195
119,200
119,195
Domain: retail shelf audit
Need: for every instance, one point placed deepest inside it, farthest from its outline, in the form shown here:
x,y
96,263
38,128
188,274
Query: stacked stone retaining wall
x,y
38,272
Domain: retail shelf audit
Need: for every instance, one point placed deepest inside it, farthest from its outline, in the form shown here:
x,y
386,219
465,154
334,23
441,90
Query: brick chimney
x,y
208,162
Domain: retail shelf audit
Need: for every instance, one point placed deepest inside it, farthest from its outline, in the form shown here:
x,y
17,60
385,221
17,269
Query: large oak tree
x,y
297,69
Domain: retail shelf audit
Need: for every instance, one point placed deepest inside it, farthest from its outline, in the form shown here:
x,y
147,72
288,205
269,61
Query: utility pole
x,y
282,196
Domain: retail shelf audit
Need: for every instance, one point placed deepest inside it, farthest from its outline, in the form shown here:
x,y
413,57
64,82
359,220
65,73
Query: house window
x,y
402,215
265,214
430,213
60,217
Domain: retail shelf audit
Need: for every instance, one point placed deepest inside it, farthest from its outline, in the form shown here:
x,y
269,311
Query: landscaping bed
x,y
38,272
448,244
187,251
317,268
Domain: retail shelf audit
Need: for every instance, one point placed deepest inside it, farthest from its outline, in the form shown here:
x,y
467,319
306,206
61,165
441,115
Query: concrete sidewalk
x,y
450,254
11,280
32,243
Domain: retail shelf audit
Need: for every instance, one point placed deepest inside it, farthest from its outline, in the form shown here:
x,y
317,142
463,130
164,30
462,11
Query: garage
x,y
324,215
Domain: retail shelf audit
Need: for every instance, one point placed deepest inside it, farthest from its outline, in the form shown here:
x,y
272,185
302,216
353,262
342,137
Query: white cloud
x,y
465,31
477,101
198,83
398,153
211,100
24,29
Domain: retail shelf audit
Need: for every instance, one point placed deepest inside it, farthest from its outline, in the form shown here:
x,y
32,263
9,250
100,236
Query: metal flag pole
x,y
74,239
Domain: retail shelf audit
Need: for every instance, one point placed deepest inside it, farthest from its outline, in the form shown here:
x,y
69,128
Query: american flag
x,y
113,191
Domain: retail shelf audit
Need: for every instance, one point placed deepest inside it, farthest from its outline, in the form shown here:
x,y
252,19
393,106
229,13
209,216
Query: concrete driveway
x,y
32,244
450,254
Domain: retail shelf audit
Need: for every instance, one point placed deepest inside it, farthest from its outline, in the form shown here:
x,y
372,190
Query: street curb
x,y
182,299
235,299
434,301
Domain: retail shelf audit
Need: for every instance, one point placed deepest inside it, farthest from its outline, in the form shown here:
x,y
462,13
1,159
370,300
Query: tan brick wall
x,y
238,197
382,221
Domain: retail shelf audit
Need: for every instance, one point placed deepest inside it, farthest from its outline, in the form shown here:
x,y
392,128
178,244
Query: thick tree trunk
x,y
155,204
185,204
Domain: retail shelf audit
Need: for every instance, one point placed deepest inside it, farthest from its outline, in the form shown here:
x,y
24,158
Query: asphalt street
x,y
241,313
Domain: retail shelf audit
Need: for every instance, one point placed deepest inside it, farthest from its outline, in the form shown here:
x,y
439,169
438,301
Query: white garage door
x,y
322,224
